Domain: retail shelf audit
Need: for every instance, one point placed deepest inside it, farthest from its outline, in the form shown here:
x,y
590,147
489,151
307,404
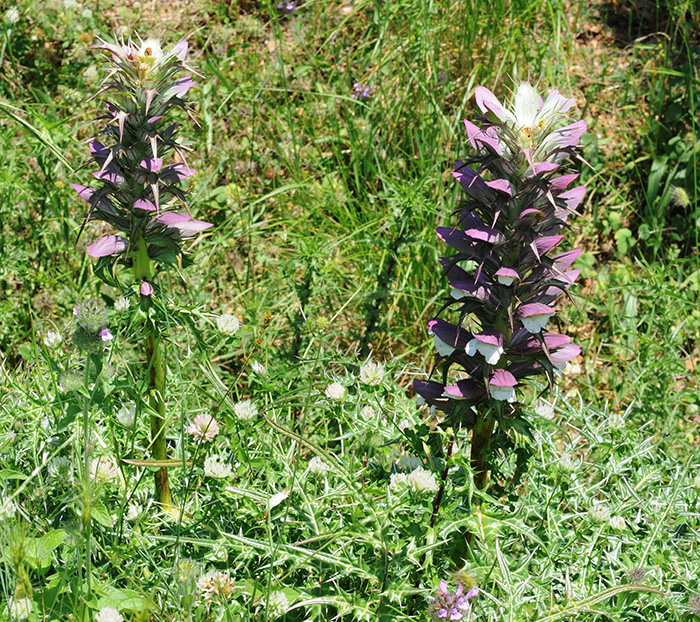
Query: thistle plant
x,y
506,272
135,193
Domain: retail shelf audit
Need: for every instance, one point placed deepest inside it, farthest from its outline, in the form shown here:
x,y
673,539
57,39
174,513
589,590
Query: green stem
x,y
481,440
87,482
156,381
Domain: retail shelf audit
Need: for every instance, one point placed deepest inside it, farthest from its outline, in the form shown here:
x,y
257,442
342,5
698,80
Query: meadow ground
x,y
308,484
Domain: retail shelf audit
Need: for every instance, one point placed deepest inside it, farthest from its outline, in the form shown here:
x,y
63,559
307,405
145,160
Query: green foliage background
x,y
324,247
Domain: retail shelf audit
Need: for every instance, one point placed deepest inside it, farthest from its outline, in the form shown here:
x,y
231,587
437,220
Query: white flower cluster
x,y
204,428
126,415
618,522
371,373
109,614
19,608
600,512
367,413
245,410
215,583
52,339
318,466
12,16
103,470
228,324
7,509
258,368
336,391
277,604
133,511
61,468
216,468
121,304
419,480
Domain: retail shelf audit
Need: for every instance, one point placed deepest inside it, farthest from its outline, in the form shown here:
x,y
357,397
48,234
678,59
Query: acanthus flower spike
x,y
138,184
505,271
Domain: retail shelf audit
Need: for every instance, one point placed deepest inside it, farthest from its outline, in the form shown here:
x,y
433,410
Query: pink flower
x,y
204,428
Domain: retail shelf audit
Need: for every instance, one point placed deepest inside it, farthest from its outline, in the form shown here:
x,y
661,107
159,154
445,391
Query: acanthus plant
x,y
506,271
141,166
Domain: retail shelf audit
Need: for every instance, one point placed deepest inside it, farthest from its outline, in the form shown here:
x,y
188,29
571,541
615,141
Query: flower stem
x,y
87,482
481,440
156,380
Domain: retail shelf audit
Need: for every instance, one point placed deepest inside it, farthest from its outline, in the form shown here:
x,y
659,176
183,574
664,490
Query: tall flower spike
x,y
139,174
503,270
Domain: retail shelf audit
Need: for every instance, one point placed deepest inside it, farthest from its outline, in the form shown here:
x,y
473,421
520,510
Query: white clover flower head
x,y
70,381
696,483
103,470
109,614
215,584
228,324
422,480
544,409
371,373
217,468
126,415
7,509
258,368
61,468
277,604
336,391
70,4
398,482
367,413
245,410
19,608
52,339
204,428
600,512
121,304
133,511
11,16
618,522
616,421
405,424
318,466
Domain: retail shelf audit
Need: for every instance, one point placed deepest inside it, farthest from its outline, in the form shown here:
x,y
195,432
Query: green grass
x,y
324,247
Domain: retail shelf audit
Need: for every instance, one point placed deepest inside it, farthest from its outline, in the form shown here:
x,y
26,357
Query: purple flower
x,y
286,8
360,91
503,270
448,605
